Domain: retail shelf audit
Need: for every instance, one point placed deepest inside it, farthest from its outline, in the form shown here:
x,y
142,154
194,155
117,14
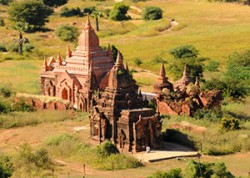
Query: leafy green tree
x,y
186,54
69,12
238,66
67,33
6,166
235,82
55,3
152,13
206,170
32,14
119,11
89,10
185,51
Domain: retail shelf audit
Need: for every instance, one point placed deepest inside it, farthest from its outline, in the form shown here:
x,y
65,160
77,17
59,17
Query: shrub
x,y
6,166
21,105
230,124
208,113
106,149
32,163
5,107
152,13
66,12
173,173
137,61
119,11
1,22
6,91
28,47
67,33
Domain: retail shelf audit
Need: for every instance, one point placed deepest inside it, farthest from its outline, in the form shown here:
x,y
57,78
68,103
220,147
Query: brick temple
x,y
75,78
90,80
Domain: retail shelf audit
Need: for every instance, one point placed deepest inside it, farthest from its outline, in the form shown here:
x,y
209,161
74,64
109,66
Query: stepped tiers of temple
x,y
90,80
81,72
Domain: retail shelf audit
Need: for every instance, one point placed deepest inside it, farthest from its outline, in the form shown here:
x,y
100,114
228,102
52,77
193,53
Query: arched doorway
x,y
65,94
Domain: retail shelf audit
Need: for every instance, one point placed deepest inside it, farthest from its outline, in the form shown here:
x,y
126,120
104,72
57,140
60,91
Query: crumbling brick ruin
x,y
185,96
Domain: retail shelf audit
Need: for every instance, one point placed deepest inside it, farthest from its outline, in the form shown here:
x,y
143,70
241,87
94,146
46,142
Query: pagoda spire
x,y
126,66
162,71
185,72
69,53
109,50
59,58
197,81
119,60
139,93
45,64
88,24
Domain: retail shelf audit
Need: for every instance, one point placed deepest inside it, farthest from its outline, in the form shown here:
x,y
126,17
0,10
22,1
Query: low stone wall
x,y
43,102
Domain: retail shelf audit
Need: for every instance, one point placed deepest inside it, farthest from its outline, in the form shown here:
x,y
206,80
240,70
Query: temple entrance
x,y
65,94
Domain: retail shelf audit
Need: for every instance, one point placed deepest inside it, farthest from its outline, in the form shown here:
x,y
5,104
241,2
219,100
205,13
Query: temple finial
x,y
185,72
59,58
109,48
119,60
45,64
126,66
139,93
69,51
197,81
162,72
88,24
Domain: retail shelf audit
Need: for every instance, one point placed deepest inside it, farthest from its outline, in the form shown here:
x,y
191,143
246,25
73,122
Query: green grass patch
x,y
21,119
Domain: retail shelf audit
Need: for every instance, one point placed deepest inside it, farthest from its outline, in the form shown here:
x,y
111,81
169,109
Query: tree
x,y
185,51
67,33
186,54
152,13
119,11
235,82
207,170
55,3
31,14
